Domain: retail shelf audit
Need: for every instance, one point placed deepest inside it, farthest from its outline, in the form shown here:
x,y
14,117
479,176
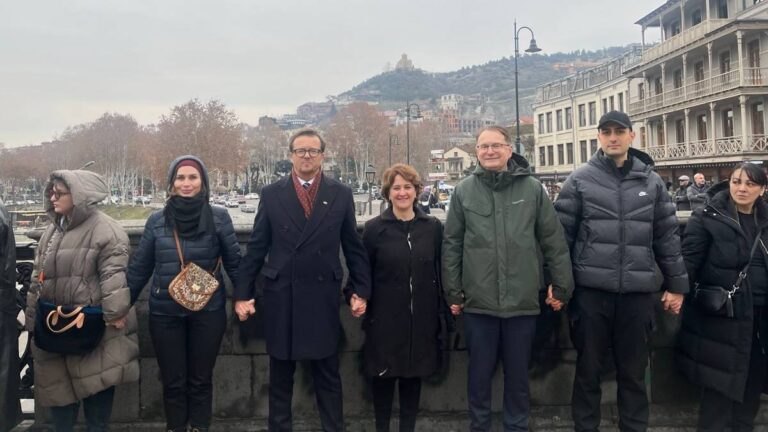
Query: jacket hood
x,y
642,163
87,189
204,174
720,199
517,166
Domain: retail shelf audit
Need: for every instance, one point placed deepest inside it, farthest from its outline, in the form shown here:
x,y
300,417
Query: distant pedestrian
x,y
681,196
697,192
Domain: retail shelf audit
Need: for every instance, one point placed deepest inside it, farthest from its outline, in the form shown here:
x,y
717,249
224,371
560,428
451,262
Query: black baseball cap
x,y
617,117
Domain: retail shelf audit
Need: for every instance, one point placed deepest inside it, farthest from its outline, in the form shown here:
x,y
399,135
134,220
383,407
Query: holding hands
x,y
245,308
357,305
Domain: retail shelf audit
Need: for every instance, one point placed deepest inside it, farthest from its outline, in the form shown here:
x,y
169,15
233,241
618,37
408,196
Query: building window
x,y
551,154
698,71
696,17
758,125
593,146
675,28
569,152
728,123
582,116
722,9
753,53
583,151
592,113
541,123
677,79
605,105
559,119
643,138
701,127
680,131
641,91
549,122
542,156
621,101
568,118
725,62
657,85
660,135
560,154
610,103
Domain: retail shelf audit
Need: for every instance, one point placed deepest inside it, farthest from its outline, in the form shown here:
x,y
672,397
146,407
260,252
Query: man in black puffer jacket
x,y
619,222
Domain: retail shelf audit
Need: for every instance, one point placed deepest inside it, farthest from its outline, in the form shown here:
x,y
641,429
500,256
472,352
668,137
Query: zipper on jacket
x,y
410,288
622,247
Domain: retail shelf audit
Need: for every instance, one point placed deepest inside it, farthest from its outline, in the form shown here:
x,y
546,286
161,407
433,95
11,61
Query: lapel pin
x,y
325,202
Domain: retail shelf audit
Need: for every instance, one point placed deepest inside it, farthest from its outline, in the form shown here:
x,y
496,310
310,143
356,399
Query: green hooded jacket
x,y
499,225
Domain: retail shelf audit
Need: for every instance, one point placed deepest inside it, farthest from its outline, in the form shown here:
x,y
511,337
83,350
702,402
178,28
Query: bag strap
x,y
178,247
181,256
743,272
53,318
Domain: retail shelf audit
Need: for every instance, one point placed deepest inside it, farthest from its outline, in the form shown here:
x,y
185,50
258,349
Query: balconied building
x,y
566,112
698,97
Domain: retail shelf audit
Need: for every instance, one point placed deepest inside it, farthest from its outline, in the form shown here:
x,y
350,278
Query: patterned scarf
x,y
307,196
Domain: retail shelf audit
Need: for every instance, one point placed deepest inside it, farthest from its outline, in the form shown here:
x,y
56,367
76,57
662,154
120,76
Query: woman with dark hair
x,y
402,321
186,341
724,354
80,261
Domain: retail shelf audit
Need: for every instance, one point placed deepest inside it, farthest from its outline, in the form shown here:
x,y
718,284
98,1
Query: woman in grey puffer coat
x,y
81,260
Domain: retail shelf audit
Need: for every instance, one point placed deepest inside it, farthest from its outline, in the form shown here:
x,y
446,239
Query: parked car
x,y
240,199
231,204
252,196
142,199
247,208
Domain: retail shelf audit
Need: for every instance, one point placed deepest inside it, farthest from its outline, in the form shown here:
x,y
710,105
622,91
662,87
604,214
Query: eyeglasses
x,y
58,194
312,152
494,146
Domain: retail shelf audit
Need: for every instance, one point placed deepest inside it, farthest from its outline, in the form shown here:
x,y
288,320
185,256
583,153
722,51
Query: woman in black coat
x,y
402,321
186,342
726,356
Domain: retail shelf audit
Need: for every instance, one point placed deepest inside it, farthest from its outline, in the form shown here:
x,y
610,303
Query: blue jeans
x,y
97,408
489,338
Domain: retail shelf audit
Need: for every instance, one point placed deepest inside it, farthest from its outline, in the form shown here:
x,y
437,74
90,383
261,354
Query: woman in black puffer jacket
x,y
726,356
186,342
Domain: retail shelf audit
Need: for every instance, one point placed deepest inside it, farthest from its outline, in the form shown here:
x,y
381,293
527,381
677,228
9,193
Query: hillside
x,y
493,83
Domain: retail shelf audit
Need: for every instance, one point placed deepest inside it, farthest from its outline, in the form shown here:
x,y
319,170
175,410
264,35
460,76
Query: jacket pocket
x,y
269,272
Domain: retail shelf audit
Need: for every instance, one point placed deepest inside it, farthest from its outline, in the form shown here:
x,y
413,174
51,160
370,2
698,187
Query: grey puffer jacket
x,y
83,260
618,227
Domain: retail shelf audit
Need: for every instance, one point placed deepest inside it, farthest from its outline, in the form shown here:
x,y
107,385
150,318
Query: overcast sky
x,y
64,63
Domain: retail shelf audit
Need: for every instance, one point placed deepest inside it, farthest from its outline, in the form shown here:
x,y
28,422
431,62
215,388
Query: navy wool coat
x,y
300,261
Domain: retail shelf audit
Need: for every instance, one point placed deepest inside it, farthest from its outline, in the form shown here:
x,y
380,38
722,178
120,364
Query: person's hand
x,y
672,302
554,303
358,305
456,309
245,308
118,323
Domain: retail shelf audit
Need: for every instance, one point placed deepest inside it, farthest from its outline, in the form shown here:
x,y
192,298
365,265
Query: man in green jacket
x,y
500,221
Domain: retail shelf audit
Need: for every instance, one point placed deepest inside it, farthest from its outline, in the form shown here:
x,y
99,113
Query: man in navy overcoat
x,y
301,222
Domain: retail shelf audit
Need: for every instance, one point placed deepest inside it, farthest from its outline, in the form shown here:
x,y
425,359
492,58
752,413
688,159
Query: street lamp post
x,y
408,106
392,140
532,48
370,174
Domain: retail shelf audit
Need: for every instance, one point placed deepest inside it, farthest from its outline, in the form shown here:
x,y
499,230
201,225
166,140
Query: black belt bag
x,y
716,300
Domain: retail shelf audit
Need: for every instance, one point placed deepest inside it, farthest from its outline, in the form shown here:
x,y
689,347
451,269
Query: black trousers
x,y
325,375
489,338
600,320
383,395
97,409
716,412
186,350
